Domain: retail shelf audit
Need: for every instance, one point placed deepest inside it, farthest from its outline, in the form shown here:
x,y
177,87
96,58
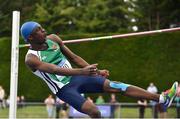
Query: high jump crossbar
x,y
115,36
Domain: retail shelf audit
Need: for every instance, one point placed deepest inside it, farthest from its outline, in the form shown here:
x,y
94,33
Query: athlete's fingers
x,y
93,66
94,74
107,72
96,64
104,72
92,69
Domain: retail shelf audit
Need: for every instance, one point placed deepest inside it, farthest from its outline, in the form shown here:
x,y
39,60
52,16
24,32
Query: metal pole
x,y
14,64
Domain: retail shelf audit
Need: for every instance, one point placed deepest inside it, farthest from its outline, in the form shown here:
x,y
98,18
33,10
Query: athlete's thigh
x,y
72,97
91,84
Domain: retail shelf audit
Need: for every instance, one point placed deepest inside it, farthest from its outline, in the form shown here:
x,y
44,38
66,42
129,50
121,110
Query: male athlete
x,y
48,58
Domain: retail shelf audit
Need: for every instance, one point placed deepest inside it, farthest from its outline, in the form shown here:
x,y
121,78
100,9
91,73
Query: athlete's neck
x,y
38,47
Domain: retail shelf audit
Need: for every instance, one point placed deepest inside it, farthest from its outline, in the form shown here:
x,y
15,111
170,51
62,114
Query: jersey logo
x,y
44,57
54,47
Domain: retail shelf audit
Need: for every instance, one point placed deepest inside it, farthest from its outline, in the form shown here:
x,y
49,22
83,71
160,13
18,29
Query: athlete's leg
x,y
166,97
71,95
88,84
73,98
91,109
129,90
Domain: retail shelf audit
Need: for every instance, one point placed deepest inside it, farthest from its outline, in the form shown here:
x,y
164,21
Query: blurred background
x,y
137,60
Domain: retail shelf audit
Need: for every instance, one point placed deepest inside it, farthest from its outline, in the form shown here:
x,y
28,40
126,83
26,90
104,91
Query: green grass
x,y
134,113
27,112
40,112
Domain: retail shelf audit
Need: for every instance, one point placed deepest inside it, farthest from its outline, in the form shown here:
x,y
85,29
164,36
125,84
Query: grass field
x,y
27,112
134,113
40,112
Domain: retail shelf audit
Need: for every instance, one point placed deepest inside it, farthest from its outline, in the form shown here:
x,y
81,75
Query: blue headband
x,y
27,28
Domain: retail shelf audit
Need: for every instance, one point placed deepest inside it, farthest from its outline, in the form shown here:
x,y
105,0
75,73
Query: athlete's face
x,y
38,35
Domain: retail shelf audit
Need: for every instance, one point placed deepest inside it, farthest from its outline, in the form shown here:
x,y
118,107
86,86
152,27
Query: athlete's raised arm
x,y
73,57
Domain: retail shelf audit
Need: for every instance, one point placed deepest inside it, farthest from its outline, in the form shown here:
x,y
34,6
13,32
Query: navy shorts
x,y
71,93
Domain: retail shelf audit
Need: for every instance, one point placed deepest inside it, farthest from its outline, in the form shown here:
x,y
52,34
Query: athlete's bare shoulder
x,y
31,61
56,39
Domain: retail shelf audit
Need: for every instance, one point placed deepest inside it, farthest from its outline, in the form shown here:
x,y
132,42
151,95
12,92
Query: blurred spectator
x,y
22,101
153,89
177,99
100,100
58,107
89,98
8,101
2,95
142,105
162,111
61,107
113,102
18,101
50,106
63,111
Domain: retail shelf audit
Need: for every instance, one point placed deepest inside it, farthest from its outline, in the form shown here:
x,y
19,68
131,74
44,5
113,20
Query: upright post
x,y
14,64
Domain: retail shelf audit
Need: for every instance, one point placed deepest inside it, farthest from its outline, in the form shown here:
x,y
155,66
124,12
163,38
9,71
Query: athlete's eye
x,y
36,30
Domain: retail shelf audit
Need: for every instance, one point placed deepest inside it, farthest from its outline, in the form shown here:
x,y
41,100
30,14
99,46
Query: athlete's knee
x,y
90,109
118,85
95,113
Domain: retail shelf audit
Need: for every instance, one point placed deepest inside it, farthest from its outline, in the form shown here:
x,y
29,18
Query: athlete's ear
x,y
30,38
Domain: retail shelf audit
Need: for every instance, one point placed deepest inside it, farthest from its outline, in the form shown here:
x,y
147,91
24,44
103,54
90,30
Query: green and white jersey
x,y
52,55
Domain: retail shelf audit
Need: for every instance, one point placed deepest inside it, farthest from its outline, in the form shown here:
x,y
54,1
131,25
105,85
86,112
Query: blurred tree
x,y
5,16
158,14
84,16
64,16
7,6
170,13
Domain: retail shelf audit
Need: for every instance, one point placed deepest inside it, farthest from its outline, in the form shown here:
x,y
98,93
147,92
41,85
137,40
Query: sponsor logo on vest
x,y
54,47
44,57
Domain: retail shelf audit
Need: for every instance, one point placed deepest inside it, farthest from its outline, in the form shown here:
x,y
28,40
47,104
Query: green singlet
x,y
52,55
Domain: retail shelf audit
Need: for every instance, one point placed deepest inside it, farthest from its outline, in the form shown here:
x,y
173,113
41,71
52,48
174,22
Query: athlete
x,y
48,58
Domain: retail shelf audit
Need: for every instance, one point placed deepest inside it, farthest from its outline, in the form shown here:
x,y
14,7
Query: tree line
x,y
92,16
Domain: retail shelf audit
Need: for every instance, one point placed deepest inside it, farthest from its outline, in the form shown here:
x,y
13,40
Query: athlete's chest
x,y
53,53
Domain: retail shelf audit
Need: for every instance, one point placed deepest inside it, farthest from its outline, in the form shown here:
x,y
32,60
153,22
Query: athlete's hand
x,y
104,73
90,70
